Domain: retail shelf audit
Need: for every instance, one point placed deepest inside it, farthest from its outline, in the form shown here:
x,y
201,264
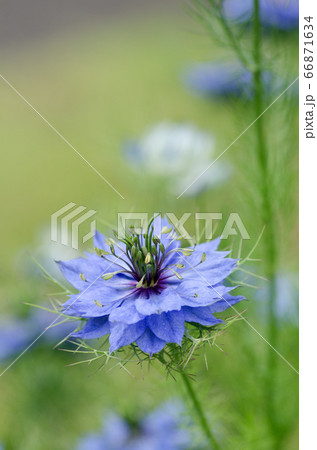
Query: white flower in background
x,y
179,153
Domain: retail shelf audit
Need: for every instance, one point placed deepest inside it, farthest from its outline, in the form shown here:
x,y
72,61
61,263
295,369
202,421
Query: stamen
x,y
82,277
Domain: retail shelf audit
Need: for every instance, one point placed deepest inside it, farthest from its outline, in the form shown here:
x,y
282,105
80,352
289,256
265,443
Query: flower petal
x,y
94,328
100,241
126,313
202,315
122,334
199,293
168,326
92,268
150,302
73,268
149,343
213,269
167,239
208,247
226,302
95,302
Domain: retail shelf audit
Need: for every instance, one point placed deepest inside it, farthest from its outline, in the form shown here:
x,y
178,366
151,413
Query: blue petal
x,y
215,267
126,313
73,268
167,239
168,326
100,241
225,303
199,293
122,334
92,267
150,302
94,302
208,247
202,315
94,328
213,260
110,263
212,274
149,343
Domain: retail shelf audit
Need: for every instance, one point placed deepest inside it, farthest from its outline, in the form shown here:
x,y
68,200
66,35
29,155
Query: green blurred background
x,y
100,79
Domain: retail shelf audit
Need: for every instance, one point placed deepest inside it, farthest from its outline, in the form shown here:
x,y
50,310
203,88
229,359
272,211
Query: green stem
x,y
200,412
269,238
233,41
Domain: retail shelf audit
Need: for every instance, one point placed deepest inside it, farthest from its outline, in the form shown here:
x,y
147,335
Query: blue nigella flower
x,y
161,429
179,153
225,79
16,334
281,14
40,320
145,288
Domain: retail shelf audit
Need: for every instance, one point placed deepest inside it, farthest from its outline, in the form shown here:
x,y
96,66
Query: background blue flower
x,y
229,79
161,429
282,14
17,333
220,79
15,336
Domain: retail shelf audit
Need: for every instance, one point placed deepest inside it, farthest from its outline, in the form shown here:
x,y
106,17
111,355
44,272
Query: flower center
x,y
146,253
148,260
